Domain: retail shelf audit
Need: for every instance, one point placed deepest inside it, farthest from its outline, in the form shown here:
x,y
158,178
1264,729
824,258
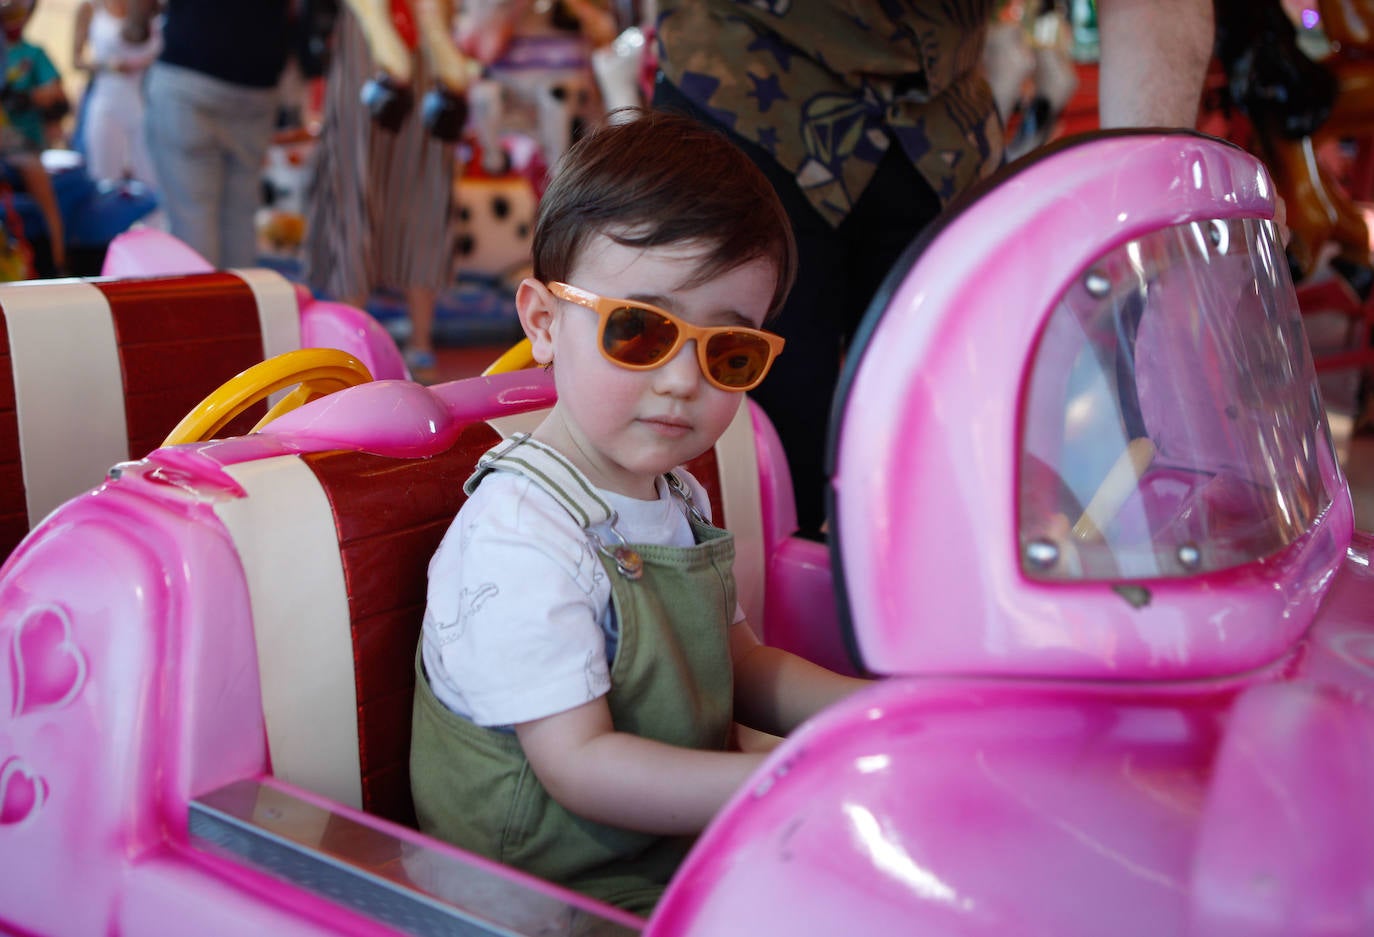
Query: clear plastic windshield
x,y
1172,423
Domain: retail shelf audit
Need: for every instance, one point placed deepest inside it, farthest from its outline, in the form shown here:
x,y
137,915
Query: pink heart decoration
x,y
47,667
22,793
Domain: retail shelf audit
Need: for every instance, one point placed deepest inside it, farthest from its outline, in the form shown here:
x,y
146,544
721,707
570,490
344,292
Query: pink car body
x,y
1088,526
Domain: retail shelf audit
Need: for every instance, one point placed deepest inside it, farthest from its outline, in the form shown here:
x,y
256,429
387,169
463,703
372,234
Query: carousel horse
x,y
539,74
1295,104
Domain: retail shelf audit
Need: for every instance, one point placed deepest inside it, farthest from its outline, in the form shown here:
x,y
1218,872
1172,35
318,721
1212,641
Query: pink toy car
x,y
1088,523
94,372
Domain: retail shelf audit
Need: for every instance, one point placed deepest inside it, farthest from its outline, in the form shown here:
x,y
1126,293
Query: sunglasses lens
x,y
737,359
638,336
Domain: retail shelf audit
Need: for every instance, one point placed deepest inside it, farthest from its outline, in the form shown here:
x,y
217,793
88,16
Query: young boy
x,y
583,655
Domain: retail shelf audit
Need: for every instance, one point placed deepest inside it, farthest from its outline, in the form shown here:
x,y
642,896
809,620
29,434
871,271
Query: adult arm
x,y
1154,57
81,34
775,691
135,57
627,781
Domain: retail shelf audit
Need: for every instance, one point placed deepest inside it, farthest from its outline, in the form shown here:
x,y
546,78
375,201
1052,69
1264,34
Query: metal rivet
x,y
1042,553
1097,285
1189,556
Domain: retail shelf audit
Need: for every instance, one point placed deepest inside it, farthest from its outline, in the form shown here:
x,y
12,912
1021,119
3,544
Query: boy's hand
x,y
775,690
627,781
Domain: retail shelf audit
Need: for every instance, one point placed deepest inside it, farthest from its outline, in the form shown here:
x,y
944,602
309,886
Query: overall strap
x,y
550,471
555,474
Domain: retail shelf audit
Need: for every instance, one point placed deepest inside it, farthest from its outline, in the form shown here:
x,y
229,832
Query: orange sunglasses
x,y
641,337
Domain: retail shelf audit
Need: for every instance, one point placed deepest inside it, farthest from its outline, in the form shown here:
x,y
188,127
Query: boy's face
x,y
624,428
14,16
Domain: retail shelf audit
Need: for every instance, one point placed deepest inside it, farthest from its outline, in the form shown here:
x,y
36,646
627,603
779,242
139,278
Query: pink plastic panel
x,y
995,806
927,453
1170,426
130,695
327,324
146,252
945,807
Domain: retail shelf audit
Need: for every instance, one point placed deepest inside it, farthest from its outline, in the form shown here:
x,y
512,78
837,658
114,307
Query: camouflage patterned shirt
x,y
827,85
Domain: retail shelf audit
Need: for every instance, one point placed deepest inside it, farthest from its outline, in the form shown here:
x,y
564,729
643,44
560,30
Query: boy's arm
x,y
627,781
775,691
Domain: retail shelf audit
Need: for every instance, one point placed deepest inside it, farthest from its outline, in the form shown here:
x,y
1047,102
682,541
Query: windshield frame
x,y
1170,421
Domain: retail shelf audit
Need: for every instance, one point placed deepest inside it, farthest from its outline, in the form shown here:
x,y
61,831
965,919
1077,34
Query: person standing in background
x,y
869,117
379,208
114,143
211,110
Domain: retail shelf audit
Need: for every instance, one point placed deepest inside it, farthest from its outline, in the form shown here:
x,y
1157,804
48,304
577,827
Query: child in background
x,y
34,104
583,657
34,100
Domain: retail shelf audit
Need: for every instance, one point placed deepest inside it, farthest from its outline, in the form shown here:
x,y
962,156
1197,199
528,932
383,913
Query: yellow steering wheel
x,y
517,358
318,371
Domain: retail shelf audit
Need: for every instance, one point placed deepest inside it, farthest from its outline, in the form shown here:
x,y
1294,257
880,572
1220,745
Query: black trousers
x,y
839,270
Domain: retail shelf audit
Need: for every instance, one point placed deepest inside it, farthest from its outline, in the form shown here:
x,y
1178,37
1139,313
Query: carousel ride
x,y
1087,526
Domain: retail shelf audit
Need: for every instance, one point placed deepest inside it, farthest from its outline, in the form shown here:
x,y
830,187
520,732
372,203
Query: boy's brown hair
x,y
652,178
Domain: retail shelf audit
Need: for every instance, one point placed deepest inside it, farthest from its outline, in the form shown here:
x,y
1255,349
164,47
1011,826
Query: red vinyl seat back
x,y
97,372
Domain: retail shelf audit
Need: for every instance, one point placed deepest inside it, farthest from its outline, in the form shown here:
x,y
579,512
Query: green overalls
x,y
670,680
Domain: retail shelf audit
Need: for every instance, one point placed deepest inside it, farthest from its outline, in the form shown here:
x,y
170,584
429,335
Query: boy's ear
x,y
536,308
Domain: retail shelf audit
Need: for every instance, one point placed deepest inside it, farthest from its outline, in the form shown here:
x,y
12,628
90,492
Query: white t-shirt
x,y
519,605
